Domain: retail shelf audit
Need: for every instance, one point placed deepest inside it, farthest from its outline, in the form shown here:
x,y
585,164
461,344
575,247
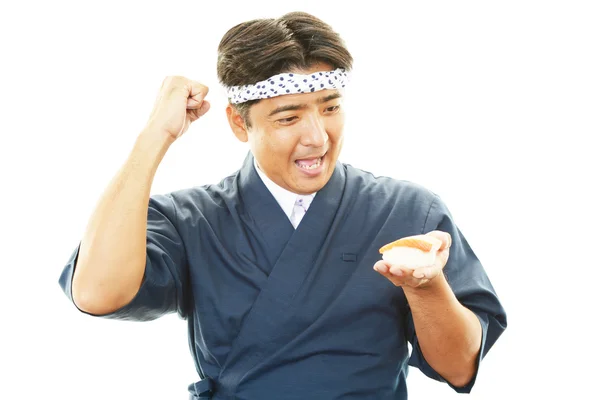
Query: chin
x,y
312,185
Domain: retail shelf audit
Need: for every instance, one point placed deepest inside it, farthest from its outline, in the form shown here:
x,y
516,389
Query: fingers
x,y
197,113
445,237
194,91
401,275
425,273
197,89
407,277
197,93
381,266
442,258
384,269
204,108
398,275
180,102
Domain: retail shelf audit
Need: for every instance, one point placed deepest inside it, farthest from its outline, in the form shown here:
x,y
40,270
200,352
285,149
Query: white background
x,y
493,105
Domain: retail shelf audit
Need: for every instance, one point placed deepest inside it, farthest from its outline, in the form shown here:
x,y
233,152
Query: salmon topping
x,y
421,242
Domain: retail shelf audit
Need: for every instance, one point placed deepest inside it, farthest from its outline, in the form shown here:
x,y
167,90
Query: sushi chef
x,y
276,268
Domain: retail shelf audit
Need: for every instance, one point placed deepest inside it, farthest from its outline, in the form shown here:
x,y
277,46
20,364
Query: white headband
x,y
288,83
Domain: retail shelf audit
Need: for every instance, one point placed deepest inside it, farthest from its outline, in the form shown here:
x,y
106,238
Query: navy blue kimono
x,y
279,313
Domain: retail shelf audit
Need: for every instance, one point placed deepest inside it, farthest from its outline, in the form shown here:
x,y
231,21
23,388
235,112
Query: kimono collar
x,y
264,210
284,197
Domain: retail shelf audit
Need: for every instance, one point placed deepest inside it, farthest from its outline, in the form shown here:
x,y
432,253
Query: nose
x,y
314,133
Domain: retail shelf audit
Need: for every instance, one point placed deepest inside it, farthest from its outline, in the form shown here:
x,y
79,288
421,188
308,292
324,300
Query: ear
x,y
236,122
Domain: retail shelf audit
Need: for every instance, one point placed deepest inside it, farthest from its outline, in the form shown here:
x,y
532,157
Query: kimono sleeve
x,y
471,286
163,288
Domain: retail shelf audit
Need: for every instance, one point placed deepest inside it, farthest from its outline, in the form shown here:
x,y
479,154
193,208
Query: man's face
x,y
297,138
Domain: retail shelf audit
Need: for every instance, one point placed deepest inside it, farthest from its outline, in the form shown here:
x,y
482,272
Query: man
x,y
273,267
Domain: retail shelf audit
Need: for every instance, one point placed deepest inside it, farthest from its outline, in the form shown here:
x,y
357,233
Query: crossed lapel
x,y
292,253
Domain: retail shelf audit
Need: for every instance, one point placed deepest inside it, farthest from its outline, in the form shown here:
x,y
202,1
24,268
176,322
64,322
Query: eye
x,y
332,109
287,121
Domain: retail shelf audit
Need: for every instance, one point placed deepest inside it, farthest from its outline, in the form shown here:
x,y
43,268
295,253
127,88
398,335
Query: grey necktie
x,y
300,207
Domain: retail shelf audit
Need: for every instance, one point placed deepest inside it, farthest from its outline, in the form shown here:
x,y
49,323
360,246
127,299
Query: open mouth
x,y
310,164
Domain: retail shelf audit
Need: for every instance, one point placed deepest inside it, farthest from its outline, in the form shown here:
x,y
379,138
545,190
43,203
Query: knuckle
x,y
202,90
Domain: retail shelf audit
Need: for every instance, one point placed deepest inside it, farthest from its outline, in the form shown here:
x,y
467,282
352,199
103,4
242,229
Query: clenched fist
x,y
180,102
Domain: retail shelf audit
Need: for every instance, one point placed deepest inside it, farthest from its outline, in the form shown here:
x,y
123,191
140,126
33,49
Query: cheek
x,y
287,140
279,146
335,127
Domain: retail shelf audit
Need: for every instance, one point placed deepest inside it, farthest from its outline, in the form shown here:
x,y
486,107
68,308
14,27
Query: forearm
x,y
449,334
112,256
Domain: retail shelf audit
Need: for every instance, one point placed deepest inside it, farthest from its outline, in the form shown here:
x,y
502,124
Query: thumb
x,y
444,237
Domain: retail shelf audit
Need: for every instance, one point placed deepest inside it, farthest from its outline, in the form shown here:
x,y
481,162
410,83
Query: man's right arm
x,y
112,256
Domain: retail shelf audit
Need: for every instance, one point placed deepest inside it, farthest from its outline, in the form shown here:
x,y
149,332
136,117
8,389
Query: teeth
x,y
314,166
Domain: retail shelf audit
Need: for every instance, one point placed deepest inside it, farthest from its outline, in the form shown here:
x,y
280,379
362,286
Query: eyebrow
x,y
293,107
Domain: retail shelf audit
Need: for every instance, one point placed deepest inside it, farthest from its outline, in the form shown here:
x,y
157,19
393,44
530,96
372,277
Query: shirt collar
x,y
284,197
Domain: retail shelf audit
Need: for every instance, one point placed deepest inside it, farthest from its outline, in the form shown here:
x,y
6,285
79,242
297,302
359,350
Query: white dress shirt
x,y
287,200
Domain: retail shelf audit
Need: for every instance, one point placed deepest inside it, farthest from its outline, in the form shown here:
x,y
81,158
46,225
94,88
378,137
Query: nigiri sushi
x,y
412,251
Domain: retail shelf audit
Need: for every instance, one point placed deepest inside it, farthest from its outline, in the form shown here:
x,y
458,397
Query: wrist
x,y
151,146
435,287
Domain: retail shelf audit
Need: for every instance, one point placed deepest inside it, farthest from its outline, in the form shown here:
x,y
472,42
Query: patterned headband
x,y
288,83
